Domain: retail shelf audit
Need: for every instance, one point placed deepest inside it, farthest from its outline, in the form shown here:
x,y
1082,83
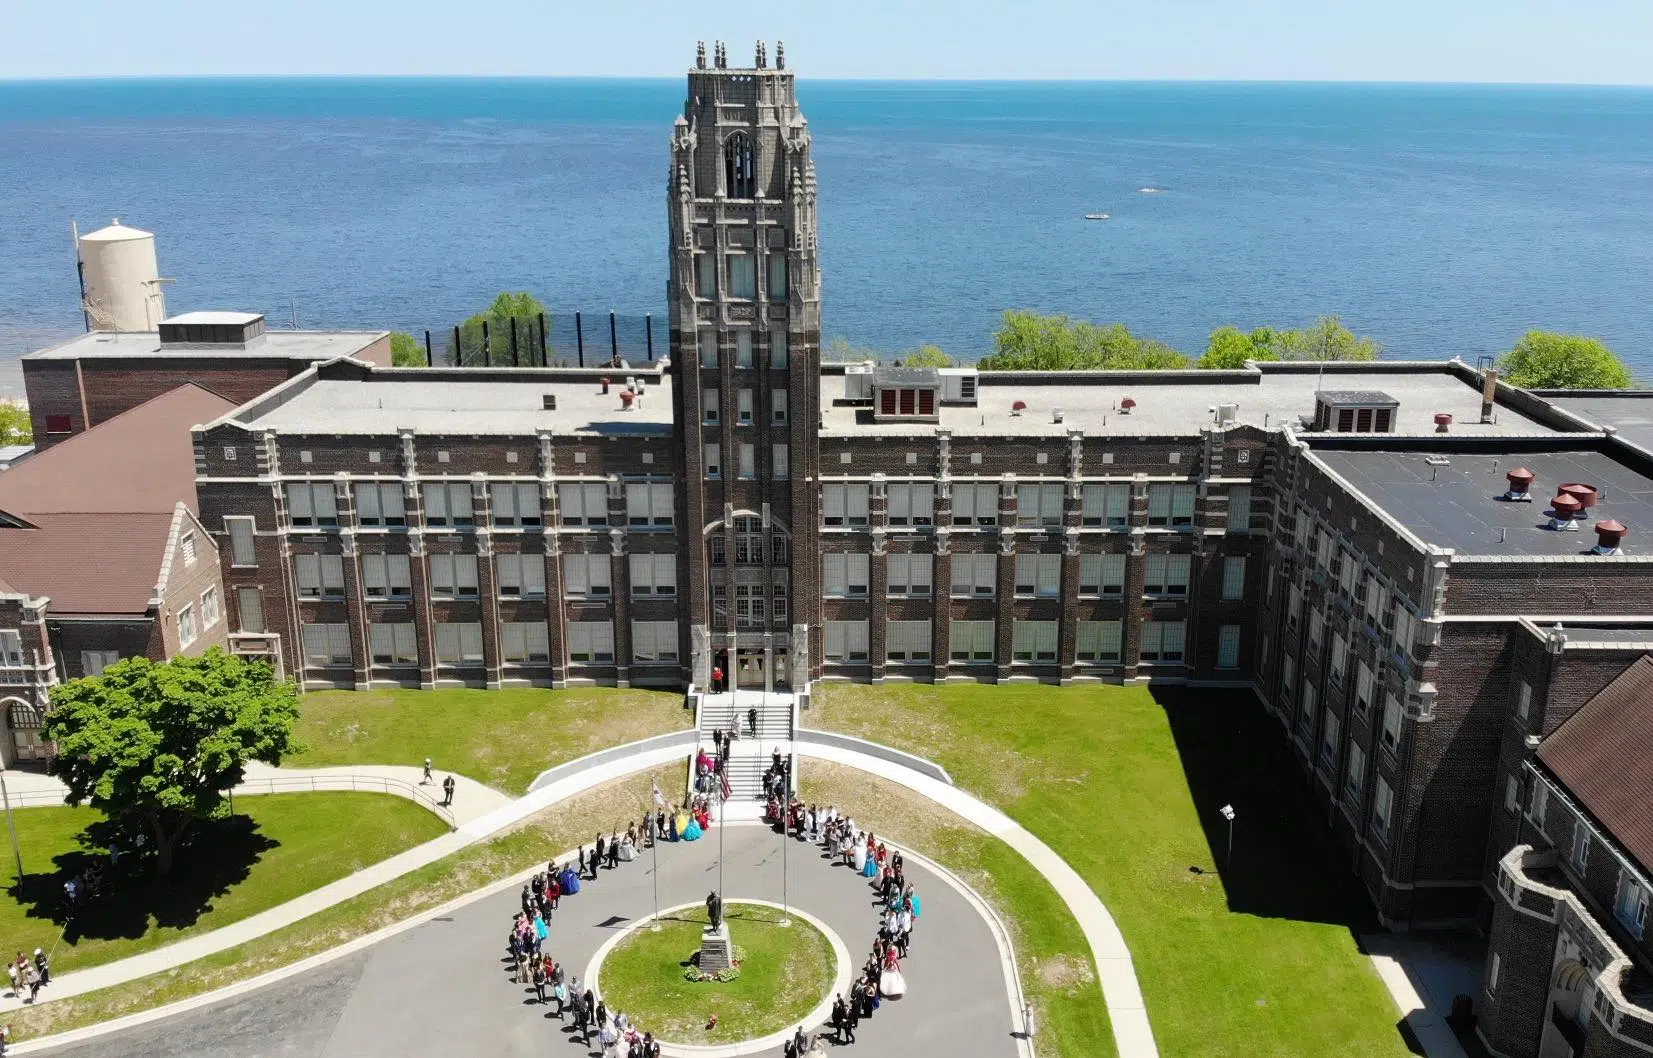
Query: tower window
x,y
740,170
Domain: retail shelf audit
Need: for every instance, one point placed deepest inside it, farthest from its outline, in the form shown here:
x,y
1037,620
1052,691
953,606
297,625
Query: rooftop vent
x,y
212,328
1584,494
628,397
1520,480
1564,513
1355,411
1017,407
1227,414
1056,415
550,400
1443,421
1126,405
1608,536
604,383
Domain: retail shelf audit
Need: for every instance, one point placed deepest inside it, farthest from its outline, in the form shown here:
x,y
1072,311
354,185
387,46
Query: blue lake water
x,y
1444,220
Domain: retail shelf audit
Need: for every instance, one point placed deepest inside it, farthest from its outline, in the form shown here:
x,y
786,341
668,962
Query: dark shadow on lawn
x,y
211,861
1285,862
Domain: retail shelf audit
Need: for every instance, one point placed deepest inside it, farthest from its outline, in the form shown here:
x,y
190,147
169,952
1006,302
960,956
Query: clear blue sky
x,y
1589,41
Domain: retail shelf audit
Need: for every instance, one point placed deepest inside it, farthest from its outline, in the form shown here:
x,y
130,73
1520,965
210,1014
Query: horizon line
x,y
64,79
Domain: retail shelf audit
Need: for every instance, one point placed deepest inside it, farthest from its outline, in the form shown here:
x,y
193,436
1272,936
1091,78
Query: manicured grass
x,y
278,847
552,832
1057,973
502,738
785,973
1257,959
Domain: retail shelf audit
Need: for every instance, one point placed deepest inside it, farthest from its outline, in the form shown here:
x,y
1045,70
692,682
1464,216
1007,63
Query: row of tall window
x,y
461,642
1031,642
711,409
745,356
974,575
1170,505
390,577
741,276
750,605
585,504
1632,893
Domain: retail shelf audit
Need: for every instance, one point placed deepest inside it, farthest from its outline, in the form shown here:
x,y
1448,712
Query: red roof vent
x,y
1584,494
1520,480
1608,535
1564,513
1443,420
1126,405
604,382
1017,407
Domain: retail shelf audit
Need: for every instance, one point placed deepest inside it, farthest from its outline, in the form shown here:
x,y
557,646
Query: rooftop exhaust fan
x,y
1608,535
1564,513
1520,480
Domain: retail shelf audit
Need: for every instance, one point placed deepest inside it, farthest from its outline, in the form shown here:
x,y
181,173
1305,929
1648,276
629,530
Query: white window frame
x,y
454,576
1383,806
187,631
587,576
1099,642
649,504
1239,508
319,576
516,503
780,462
911,503
1164,642
1234,577
975,504
910,575
908,642
591,642
1038,576
459,643
847,641
243,533
334,636
714,460
1631,902
653,575
583,505
1039,505
1034,642
1393,715
778,406
524,642
1166,576
211,608
380,503
1171,506
1354,779
312,504
975,575
973,642
1102,576
845,505
710,411
521,576
654,642
1228,647
846,575
392,643
386,576
1106,506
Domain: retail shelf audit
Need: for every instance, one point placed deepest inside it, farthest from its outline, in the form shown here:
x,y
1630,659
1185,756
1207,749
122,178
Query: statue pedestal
x,y
717,952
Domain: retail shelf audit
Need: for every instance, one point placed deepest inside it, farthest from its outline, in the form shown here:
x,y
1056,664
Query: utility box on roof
x,y
906,393
1354,411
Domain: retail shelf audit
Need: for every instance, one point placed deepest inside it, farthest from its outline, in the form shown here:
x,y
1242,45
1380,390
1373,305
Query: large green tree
x,y
1028,341
1546,360
157,745
521,306
1325,339
15,428
406,350
926,356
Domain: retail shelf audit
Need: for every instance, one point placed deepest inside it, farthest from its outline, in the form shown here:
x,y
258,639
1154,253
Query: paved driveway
x,y
442,989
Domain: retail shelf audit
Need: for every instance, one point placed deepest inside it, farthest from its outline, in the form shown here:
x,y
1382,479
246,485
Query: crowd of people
x,y
532,963
28,977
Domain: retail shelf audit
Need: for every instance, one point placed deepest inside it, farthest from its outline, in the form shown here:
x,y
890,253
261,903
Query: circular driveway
x,y
443,988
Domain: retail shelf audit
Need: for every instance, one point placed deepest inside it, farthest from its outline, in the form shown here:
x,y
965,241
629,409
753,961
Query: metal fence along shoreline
x,y
546,339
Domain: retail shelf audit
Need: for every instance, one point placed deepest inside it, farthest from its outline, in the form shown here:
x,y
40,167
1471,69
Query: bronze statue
x,y
714,909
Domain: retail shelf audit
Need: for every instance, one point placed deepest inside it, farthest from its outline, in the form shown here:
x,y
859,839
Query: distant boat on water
x,y
1151,190
1096,216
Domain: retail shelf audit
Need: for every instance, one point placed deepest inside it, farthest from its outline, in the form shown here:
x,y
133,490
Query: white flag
x,y
659,798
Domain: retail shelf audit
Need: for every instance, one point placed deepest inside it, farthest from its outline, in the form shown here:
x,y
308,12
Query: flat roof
x,y
1631,416
215,318
462,401
285,345
1455,505
1629,635
1181,406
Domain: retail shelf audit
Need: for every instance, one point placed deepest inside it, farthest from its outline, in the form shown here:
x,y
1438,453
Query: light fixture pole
x,y
654,843
1228,814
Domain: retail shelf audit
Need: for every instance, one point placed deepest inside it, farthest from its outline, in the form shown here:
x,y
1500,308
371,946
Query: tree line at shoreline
x,y
1030,341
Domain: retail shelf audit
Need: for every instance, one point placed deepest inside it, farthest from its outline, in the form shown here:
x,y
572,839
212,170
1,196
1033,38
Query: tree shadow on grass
x,y
212,860
1285,863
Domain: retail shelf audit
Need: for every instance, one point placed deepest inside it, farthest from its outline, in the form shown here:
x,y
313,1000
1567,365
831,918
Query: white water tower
x,y
120,280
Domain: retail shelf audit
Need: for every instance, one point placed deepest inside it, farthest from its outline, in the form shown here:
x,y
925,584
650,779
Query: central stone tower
x,y
745,340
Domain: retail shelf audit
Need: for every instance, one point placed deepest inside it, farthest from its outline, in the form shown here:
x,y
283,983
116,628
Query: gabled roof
x,y
141,461
97,509
1603,755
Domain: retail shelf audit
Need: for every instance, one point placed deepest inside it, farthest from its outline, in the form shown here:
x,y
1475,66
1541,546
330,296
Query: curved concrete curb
x,y
822,1011
687,737
1115,972
900,758
1133,1036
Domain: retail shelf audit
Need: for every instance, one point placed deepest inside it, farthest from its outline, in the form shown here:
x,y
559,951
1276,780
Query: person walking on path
x,y
752,720
448,787
613,850
42,967
597,857
426,780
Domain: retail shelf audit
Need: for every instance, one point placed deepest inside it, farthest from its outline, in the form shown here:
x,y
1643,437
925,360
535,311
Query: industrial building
x,y
1431,578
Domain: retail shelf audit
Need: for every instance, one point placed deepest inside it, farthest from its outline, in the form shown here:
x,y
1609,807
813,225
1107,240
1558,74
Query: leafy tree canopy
x,y
522,306
1325,339
406,350
15,428
841,350
157,745
1546,360
1027,341
925,356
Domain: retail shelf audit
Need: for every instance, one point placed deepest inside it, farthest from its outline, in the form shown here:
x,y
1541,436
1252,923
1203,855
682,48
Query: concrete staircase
x,y
750,758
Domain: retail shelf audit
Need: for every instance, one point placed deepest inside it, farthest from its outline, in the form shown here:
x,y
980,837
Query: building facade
x,y
1372,548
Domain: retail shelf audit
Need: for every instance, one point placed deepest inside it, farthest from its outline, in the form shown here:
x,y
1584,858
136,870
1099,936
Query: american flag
x,y
727,793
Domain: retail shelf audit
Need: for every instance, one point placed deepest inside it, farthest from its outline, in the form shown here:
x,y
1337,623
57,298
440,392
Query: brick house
x,y
102,557
1369,547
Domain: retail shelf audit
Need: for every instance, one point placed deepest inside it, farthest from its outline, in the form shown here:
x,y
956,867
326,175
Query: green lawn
x,y
1124,783
278,847
785,973
503,738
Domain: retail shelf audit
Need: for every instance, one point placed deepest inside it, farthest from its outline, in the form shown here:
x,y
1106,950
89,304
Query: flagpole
x,y
654,843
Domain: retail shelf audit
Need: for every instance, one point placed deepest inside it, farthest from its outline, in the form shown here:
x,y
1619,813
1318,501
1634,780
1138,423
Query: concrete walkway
x,y
1116,973
472,800
1423,973
491,821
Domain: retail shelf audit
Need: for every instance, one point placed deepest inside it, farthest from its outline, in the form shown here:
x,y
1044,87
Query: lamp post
x,y
654,843
1228,814
11,824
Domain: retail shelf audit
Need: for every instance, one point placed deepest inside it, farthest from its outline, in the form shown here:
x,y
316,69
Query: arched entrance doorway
x,y
24,720
748,563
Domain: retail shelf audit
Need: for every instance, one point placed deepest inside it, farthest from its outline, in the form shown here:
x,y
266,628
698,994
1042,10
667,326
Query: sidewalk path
x,y
1116,974
505,814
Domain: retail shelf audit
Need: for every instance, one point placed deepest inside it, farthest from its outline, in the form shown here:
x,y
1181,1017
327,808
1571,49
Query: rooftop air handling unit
x,y
120,282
